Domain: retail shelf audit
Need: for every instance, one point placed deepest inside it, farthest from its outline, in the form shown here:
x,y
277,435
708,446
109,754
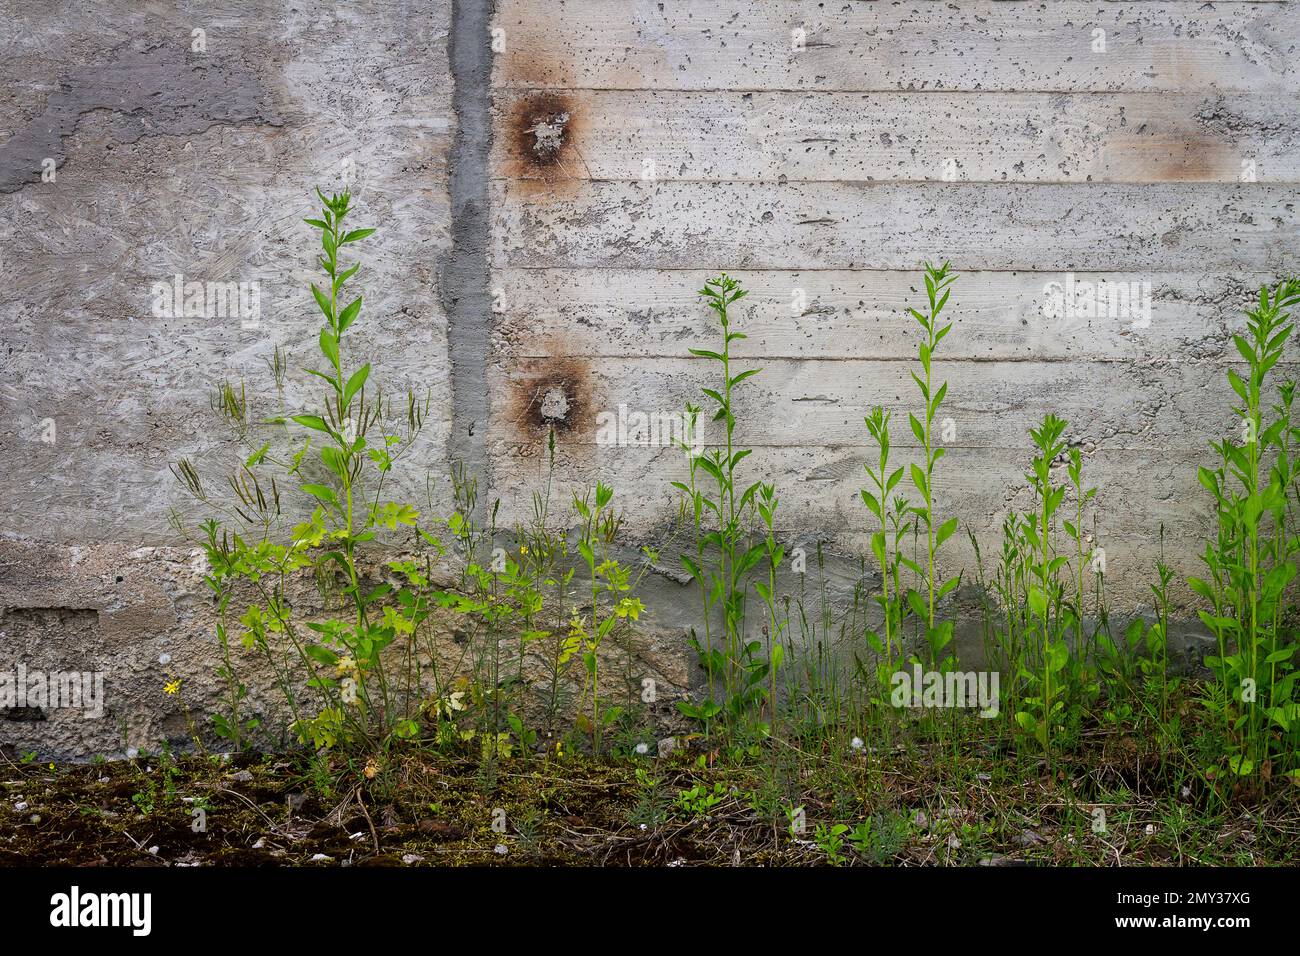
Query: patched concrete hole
x,y
548,134
555,404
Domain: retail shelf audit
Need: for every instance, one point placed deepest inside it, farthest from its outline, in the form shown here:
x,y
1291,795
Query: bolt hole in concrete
x,y
555,404
549,134
545,132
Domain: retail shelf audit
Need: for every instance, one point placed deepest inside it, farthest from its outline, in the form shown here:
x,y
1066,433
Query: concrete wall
x,y
169,160
553,181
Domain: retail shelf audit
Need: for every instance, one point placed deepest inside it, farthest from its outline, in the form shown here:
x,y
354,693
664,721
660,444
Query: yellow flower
x,y
172,687
523,549
629,607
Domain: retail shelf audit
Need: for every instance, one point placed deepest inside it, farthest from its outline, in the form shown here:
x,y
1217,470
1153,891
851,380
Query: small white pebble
x,y
164,659
153,850
132,753
20,806
1151,829
261,842
322,858
409,858
500,849
643,749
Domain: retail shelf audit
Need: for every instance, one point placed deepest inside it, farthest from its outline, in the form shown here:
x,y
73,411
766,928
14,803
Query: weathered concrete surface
x,y
821,154
159,186
173,160
983,46
552,182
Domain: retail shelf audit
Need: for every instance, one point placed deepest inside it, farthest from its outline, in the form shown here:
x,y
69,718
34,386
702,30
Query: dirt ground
x,y
1112,803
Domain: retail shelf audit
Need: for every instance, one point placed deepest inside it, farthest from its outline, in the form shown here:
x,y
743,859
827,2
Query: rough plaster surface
x,y
199,163
547,209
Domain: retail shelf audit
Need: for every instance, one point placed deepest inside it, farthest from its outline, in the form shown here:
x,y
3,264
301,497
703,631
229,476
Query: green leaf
x,y
1238,385
256,457
357,379
333,460
750,559
349,314
323,492
329,346
323,301
917,428
870,501
918,479
1038,601
917,605
313,421
878,547
321,655
1244,347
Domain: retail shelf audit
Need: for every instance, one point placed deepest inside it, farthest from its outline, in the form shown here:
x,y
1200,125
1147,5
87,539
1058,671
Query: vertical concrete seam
x,y
465,274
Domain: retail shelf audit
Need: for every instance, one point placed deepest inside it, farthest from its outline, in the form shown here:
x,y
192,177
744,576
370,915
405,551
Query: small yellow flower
x,y
172,687
523,549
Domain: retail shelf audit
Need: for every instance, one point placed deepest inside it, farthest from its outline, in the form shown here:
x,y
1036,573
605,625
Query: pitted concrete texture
x,y
153,141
